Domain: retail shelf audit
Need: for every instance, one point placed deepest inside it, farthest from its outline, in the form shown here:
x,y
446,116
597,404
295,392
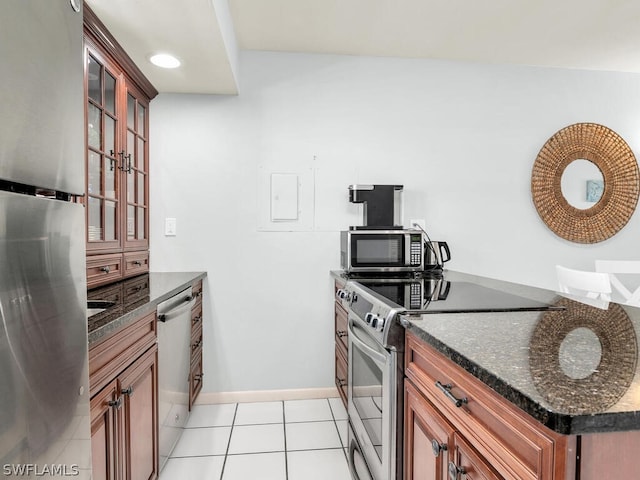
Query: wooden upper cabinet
x,y
136,166
104,152
117,98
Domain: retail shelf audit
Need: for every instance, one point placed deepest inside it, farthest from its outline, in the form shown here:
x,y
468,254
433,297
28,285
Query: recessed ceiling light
x,y
164,60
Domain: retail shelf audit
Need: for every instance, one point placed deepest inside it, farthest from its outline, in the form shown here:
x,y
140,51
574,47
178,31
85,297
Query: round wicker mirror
x,y
613,157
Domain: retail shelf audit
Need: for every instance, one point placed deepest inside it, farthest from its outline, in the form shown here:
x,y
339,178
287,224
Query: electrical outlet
x,y
170,227
419,221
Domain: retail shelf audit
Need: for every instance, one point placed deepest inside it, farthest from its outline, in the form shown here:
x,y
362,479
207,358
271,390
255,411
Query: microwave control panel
x,y
415,250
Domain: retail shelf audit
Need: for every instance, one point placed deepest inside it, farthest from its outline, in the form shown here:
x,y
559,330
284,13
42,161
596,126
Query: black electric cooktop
x,y
436,294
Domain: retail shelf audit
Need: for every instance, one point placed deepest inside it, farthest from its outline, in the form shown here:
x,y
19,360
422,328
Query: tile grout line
x,y
335,423
226,453
286,459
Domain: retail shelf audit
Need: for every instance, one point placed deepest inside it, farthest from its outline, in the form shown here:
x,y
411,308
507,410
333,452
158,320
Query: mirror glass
x,y
582,184
580,353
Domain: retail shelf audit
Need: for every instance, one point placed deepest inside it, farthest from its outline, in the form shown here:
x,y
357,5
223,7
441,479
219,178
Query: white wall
x,y
461,138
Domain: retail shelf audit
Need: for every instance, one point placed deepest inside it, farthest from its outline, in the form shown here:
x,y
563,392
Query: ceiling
x,y
207,34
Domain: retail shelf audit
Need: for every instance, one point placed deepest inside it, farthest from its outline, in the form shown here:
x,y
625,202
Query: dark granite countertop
x,y
574,370
134,297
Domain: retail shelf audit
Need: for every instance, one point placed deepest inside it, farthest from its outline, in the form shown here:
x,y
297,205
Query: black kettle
x,y
435,255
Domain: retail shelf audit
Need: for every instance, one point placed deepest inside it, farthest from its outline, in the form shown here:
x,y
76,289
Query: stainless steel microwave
x,y
382,251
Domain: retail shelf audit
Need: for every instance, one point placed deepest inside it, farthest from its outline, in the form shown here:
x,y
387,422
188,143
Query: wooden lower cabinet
x,y
104,434
428,438
124,403
487,437
195,377
468,464
340,319
484,437
196,373
124,440
433,449
139,387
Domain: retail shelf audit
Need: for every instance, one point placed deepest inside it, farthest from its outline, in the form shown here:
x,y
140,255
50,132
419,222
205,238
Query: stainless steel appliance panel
x,y
41,96
357,464
372,402
174,360
44,381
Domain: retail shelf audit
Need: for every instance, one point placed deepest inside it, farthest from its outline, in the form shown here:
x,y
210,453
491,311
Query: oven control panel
x,y
375,321
369,309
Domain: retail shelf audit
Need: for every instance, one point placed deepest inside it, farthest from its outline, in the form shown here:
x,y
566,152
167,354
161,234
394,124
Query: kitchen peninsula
x,y
541,393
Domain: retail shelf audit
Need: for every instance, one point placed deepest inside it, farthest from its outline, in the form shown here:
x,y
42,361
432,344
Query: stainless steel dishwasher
x,y
174,339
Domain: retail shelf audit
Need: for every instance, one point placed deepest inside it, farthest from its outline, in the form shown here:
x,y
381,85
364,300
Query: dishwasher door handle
x,y
186,304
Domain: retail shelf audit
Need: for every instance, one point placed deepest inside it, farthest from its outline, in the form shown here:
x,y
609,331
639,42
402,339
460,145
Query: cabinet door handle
x,y
116,403
124,157
196,319
127,391
341,333
446,389
437,448
455,470
342,383
198,376
112,161
105,269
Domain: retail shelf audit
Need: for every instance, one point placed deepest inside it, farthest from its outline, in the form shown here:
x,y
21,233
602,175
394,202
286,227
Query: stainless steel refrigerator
x,y
45,429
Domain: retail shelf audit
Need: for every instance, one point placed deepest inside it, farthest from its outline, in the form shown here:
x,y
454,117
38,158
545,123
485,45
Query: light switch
x,y
170,227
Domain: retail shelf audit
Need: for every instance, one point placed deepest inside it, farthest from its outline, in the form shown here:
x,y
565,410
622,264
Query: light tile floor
x,y
288,440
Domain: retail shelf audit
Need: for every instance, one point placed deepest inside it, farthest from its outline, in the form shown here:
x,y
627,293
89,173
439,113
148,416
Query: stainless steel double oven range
x,y
376,367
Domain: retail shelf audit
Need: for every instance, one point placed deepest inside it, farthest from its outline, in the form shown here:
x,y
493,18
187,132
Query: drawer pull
x,y
137,263
105,269
438,448
455,470
446,389
341,333
341,382
196,319
198,377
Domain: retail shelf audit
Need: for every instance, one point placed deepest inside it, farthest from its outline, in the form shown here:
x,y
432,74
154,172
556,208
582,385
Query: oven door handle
x,y
352,462
376,356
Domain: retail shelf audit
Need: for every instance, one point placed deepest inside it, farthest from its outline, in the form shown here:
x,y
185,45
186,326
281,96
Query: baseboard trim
x,y
207,398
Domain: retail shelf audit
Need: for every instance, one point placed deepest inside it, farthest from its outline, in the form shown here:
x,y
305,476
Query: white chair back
x,y
594,285
613,267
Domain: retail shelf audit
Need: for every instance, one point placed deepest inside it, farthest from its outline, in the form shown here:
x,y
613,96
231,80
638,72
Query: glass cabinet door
x,y
103,155
137,168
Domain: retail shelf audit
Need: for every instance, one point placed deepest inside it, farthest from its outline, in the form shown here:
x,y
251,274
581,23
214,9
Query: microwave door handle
x,y
376,356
